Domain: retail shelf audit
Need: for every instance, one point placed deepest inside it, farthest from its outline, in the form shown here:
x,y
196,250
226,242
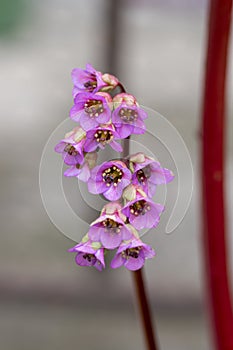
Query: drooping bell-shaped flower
x,y
129,120
89,80
100,137
109,178
143,212
91,110
132,255
148,173
89,254
71,147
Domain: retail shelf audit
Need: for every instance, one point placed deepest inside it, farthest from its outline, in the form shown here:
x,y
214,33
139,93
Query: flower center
x,y
131,253
128,115
70,150
143,174
103,136
112,175
93,107
139,207
89,257
112,225
91,85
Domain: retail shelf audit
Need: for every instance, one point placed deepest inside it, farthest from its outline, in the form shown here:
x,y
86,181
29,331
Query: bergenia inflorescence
x,y
106,114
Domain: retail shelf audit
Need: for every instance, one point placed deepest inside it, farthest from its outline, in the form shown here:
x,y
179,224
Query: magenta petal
x,y
149,252
72,171
113,193
98,265
139,128
152,218
124,130
96,187
100,256
143,114
139,222
90,145
134,264
81,261
59,148
87,123
68,159
125,233
94,233
84,173
151,189
117,261
110,240
116,146
104,117
75,113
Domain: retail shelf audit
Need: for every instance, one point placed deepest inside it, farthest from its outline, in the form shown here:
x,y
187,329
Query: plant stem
x,y
144,309
213,174
139,285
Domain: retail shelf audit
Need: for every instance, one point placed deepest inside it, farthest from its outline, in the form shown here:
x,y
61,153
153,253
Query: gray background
x,y
47,302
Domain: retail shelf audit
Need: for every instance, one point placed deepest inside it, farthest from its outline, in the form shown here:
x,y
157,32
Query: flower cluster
x,y
105,117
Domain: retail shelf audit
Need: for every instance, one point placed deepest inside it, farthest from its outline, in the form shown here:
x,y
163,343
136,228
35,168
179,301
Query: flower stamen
x,y
143,175
93,107
128,115
70,150
139,208
112,176
103,137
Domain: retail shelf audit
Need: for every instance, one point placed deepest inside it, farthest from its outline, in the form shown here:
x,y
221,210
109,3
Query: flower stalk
x,y
140,290
144,309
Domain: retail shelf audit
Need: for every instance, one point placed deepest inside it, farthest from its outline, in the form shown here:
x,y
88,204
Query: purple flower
x,y
71,147
91,109
83,171
86,80
109,178
129,120
110,230
89,255
143,212
132,255
102,136
148,173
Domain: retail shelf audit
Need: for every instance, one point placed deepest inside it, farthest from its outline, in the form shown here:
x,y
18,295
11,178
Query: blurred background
x,y
157,49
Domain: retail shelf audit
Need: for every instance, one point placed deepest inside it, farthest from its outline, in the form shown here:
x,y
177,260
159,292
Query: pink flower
x,y
148,173
100,137
109,178
71,147
89,255
129,120
143,212
109,230
86,80
83,171
91,109
132,255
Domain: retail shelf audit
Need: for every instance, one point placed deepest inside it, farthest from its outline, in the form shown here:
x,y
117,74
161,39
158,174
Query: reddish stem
x,y
213,174
139,285
144,309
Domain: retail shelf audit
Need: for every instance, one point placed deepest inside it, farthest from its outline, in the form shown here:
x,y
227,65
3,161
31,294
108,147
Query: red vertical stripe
x,y
213,154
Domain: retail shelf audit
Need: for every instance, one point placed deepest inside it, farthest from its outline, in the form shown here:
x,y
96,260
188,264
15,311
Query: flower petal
x,y
134,264
117,261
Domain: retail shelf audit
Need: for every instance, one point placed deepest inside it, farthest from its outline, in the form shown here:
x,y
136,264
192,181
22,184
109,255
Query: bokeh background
x,y
47,302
